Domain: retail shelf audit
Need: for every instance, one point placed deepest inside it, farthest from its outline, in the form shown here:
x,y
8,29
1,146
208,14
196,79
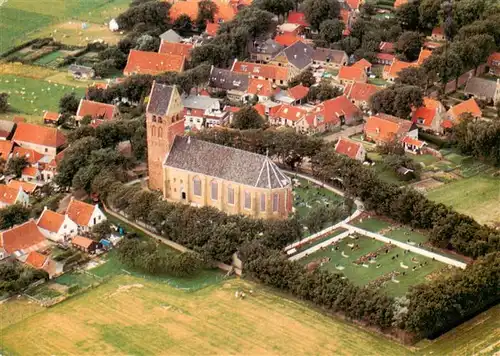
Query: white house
x,y
56,227
84,215
10,196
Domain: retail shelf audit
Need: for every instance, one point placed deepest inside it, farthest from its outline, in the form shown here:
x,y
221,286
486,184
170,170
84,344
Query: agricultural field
x,y
165,320
393,269
477,196
21,20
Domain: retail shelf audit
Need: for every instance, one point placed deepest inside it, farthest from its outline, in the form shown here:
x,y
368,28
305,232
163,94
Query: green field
x,y
33,96
308,195
49,58
372,224
478,196
342,257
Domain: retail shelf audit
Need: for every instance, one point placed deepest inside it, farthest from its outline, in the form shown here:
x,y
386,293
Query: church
x,y
202,173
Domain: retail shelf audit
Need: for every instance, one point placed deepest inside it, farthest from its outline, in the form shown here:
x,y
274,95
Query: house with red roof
x,y
297,57
438,34
36,260
96,110
429,116
212,28
352,74
272,73
84,215
385,58
363,64
22,239
6,149
385,129
470,106
42,139
261,88
56,227
30,174
298,18
360,93
390,72
10,196
142,62
424,54
494,63
287,39
178,49
225,11
386,47
287,115
51,118
28,188
298,93
354,4
351,149
84,244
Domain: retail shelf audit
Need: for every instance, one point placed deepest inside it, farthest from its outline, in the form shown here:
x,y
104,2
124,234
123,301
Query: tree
x,y
317,11
75,157
69,104
183,24
323,91
153,14
247,118
16,165
114,53
148,43
467,11
101,230
277,7
4,103
206,12
409,44
415,76
104,68
429,13
15,214
306,78
350,44
397,100
408,16
331,30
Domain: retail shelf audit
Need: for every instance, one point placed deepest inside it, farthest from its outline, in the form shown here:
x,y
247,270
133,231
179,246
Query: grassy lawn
x,y
49,58
320,240
33,96
425,159
478,196
342,261
404,234
372,224
165,320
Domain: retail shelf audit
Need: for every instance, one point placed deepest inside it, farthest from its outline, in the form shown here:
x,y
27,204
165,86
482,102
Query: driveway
x,y
346,132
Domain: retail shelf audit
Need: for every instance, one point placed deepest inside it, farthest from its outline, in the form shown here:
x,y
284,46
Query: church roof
x,y
230,164
159,99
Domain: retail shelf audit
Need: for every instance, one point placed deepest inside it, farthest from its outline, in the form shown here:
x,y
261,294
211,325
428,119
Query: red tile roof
x,y
396,67
51,116
385,128
412,141
333,109
386,47
386,56
297,17
232,109
153,63
468,106
353,4
447,124
212,28
225,12
399,3
288,112
82,241
80,212
40,135
5,149
352,74
180,49
260,87
95,110
360,91
32,157
494,57
261,109
18,119
424,54
287,39
427,112
348,147
50,220
36,260
8,195
438,31
363,64
298,92
22,237
25,186
261,70
30,172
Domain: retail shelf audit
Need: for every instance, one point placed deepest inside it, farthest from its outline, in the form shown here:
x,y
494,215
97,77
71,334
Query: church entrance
x,y
183,195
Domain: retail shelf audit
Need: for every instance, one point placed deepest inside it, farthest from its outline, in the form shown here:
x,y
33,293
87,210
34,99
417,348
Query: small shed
x,y
84,244
113,25
81,72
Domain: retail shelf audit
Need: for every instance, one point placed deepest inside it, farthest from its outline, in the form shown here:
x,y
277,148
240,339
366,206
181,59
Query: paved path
x,y
403,245
319,246
346,132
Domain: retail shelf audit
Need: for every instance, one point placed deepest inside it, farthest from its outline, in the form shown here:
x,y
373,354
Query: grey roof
x,y
80,69
230,164
227,80
6,128
199,102
299,54
481,87
268,46
170,36
159,99
324,54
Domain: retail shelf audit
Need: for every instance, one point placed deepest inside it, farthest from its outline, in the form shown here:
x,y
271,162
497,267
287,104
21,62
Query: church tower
x,y
164,121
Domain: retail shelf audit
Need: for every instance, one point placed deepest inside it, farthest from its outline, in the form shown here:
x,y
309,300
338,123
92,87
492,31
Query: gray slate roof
x,y
227,80
230,164
481,87
159,99
299,54
170,36
268,46
335,56
75,68
6,128
199,102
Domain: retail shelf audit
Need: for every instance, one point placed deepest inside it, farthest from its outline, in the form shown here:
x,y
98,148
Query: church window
x,y
262,202
230,195
160,120
214,190
197,186
276,201
153,131
154,118
160,132
248,200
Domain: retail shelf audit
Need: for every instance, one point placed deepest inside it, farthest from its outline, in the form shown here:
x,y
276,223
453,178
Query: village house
x,y
177,49
264,51
360,93
438,34
273,73
10,196
203,112
81,72
6,129
260,88
288,39
96,110
385,58
56,227
141,62
483,89
429,116
391,71
84,215
51,118
386,47
494,63
28,188
363,64
287,115
470,106
296,58
351,149
289,28
235,84
42,139
6,149
84,244
330,58
294,96
170,36
22,239
422,57
350,75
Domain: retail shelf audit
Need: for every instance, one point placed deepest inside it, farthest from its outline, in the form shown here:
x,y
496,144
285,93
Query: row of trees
x,y
15,276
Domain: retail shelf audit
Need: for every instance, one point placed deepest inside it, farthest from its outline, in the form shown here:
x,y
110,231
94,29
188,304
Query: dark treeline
x,y
15,276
